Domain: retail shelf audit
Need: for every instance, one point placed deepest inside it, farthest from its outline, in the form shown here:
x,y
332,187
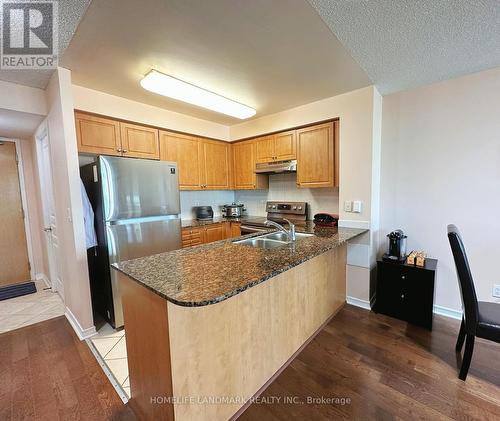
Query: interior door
x,y
14,262
49,214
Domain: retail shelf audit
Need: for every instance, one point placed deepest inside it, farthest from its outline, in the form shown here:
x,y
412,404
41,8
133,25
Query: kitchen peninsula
x,y
214,323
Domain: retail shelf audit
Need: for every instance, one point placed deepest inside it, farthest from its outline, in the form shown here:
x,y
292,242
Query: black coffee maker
x,y
397,247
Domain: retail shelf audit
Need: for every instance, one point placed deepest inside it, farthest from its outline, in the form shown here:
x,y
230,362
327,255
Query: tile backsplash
x,y
281,187
284,187
214,198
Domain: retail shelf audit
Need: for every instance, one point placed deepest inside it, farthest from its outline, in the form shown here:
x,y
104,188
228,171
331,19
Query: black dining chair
x,y
480,318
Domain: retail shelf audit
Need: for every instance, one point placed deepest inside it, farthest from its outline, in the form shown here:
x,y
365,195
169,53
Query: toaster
x,y
204,212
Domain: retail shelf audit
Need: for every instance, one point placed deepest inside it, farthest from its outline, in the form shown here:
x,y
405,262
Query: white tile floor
x,y
29,309
111,346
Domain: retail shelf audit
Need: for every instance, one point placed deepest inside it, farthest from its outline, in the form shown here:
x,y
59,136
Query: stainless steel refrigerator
x,y
137,213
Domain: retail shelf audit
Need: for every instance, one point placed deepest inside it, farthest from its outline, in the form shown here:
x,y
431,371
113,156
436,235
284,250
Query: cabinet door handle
x,y
118,149
124,151
402,296
403,277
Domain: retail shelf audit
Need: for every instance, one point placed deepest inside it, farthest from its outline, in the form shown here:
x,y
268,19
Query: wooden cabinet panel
x,y
191,237
187,152
213,233
202,235
315,156
244,163
231,229
216,165
285,146
264,147
244,176
235,229
97,135
139,141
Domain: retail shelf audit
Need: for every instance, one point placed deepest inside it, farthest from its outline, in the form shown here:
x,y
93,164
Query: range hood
x,y
276,167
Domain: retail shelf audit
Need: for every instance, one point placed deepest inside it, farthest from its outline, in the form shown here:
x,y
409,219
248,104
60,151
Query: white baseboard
x,y
80,331
348,223
43,277
448,312
358,303
442,311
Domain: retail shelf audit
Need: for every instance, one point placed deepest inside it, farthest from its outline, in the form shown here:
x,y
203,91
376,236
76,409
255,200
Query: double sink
x,y
270,241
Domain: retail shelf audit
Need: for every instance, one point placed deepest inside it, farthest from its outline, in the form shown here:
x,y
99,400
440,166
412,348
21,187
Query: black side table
x,y
406,291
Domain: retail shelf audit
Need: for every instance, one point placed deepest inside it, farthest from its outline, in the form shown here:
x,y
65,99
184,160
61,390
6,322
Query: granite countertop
x,y
211,273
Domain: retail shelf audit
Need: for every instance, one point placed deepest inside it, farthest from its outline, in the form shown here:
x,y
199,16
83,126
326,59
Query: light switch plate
x,y
496,291
348,206
357,206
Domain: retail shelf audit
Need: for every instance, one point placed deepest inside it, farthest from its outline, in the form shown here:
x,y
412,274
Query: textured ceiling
x,y
402,44
270,55
70,13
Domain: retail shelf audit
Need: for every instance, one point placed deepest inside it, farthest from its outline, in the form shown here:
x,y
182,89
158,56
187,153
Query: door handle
x,y
48,229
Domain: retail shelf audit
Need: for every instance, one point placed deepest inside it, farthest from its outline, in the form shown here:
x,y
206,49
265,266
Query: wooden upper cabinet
x,y
316,156
264,149
97,135
187,151
139,141
216,165
244,176
285,146
278,147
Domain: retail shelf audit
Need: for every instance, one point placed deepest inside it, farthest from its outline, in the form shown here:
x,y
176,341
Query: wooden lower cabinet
x,y
191,237
194,236
232,229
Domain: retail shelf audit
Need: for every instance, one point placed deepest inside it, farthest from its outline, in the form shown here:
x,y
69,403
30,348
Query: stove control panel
x,y
295,208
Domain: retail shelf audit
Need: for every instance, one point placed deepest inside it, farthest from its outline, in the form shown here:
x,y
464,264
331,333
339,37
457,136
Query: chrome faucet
x,y
290,232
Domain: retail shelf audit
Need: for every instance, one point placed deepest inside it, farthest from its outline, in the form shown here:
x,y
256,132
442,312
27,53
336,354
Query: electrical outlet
x,y
496,291
348,206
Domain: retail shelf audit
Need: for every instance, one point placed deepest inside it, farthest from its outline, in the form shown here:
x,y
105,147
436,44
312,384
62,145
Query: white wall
x,y
284,187
441,165
68,203
110,105
21,98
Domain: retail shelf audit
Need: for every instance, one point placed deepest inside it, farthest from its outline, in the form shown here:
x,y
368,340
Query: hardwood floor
x,y
47,373
388,370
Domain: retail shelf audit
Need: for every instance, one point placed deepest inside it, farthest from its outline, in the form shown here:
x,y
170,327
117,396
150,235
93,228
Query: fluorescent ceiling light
x,y
163,84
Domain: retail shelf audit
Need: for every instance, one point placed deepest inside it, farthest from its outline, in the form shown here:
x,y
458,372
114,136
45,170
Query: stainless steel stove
x,y
276,211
